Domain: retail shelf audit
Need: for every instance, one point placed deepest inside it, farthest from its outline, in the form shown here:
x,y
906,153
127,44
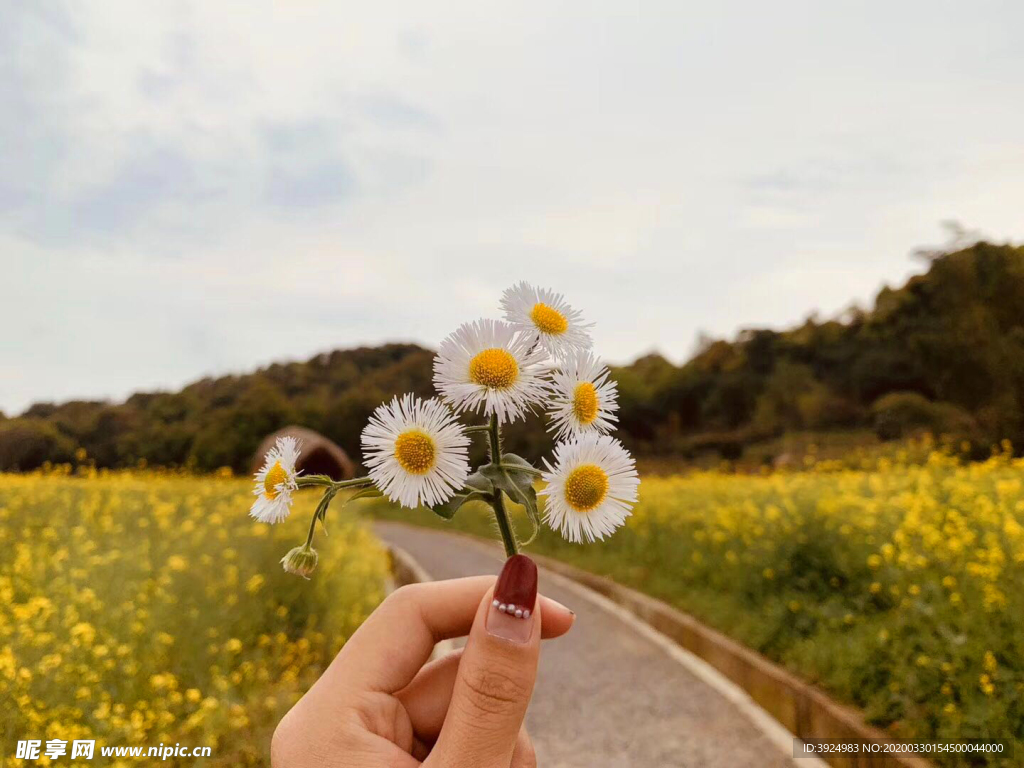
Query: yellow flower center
x,y
495,368
547,319
586,487
274,478
415,451
584,403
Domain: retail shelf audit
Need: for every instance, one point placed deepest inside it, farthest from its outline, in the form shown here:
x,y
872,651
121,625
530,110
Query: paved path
x,y
608,696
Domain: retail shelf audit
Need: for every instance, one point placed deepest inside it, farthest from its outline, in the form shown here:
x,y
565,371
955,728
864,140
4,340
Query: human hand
x,y
381,705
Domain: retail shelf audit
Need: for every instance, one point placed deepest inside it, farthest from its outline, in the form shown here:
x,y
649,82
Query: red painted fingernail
x,y
515,600
516,590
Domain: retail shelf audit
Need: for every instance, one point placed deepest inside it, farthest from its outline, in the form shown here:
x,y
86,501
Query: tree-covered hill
x,y
943,353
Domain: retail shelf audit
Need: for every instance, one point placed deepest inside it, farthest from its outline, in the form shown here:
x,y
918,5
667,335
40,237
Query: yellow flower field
x,y
146,608
898,587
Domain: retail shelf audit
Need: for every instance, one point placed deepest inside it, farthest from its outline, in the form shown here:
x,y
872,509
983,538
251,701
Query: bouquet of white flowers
x,y
416,451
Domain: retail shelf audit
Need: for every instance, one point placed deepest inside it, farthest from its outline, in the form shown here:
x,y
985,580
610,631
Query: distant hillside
x,y
944,353
219,422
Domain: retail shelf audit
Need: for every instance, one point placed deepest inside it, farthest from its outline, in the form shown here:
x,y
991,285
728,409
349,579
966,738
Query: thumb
x,y
496,675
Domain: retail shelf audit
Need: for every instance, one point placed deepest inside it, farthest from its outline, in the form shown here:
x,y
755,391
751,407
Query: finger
x,y
391,646
310,736
420,750
427,697
524,756
496,674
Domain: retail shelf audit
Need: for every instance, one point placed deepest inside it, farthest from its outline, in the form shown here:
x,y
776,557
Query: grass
x,y
146,608
899,588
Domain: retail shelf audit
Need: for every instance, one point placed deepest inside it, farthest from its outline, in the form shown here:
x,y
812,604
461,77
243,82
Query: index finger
x,y
391,646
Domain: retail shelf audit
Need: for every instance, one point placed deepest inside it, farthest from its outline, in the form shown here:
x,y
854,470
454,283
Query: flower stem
x,y
508,535
356,482
320,513
312,530
308,481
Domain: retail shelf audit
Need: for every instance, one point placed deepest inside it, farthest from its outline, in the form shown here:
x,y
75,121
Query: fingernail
x,y
515,599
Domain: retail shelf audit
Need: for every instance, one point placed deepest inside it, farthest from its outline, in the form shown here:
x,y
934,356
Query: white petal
x,y
451,465
608,454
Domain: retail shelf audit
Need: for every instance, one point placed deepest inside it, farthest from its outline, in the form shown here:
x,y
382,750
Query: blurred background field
x,y
146,607
897,587
139,607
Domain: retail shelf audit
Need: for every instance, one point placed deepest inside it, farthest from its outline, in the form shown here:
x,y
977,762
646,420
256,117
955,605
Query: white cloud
x,y
193,188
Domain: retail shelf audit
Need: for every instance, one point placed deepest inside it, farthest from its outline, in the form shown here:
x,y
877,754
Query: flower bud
x,y
301,561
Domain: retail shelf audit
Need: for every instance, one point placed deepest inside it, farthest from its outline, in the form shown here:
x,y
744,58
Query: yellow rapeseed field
x,y
146,608
898,587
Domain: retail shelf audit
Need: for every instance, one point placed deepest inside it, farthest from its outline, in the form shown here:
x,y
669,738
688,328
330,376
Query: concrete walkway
x,y
608,696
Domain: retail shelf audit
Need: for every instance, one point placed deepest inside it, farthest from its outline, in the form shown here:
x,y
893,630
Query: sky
x,y
197,188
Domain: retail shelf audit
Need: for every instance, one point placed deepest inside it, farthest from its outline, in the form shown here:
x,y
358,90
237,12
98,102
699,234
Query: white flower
x,y
275,482
582,397
416,451
547,318
486,366
591,489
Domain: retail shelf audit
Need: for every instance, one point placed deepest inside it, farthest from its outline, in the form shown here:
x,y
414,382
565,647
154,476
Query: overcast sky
x,y
196,188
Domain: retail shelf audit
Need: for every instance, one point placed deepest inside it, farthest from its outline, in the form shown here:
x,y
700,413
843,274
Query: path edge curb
x,y
801,708
405,569
804,710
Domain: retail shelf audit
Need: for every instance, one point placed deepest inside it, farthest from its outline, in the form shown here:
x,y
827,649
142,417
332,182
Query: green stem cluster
x,y
508,534
307,481
332,487
496,499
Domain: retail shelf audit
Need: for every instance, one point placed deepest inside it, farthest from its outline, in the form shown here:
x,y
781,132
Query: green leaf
x,y
478,488
511,461
515,477
370,492
478,482
450,507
